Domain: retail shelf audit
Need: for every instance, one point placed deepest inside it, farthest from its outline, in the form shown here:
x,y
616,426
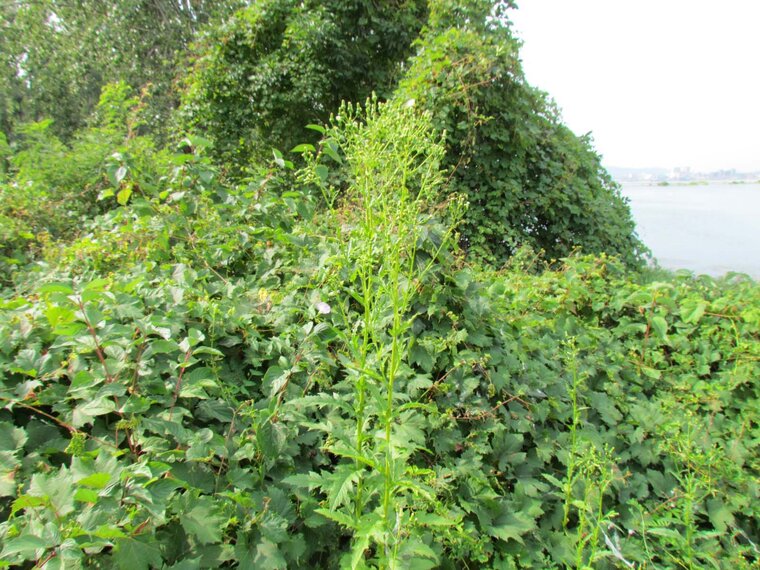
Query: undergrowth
x,y
301,370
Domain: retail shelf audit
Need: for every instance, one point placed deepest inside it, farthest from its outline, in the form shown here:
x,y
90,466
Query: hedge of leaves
x,y
217,376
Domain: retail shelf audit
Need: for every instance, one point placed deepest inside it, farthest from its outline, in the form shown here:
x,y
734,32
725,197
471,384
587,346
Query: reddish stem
x,y
178,385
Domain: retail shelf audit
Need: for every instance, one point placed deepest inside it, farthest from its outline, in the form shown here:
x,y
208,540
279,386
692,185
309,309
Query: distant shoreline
x,y
679,183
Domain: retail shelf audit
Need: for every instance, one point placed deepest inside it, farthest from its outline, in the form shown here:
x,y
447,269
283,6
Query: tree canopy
x,y
56,56
259,75
280,65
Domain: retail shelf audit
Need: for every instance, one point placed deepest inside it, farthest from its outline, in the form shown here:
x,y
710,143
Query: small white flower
x,y
409,103
323,308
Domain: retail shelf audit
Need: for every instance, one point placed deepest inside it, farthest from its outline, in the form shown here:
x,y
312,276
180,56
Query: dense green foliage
x,y
282,64
213,360
233,377
55,188
55,56
528,179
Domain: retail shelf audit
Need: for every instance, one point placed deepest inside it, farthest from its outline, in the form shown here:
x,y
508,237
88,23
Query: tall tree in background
x,y
260,76
55,55
281,64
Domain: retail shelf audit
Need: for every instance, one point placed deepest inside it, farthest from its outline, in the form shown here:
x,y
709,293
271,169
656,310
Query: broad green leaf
x,y
95,481
203,521
27,545
28,501
86,496
512,526
96,285
693,312
58,487
268,555
161,346
134,554
330,148
660,325
84,413
123,195
207,350
320,129
303,148
720,514
651,372
11,437
108,532
322,172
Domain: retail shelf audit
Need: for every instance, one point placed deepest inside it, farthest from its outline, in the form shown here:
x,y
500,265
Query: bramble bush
x,y
225,374
53,190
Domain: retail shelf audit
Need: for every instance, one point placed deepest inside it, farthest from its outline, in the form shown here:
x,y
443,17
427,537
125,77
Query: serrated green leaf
x,y
339,485
133,554
57,487
57,287
26,545
337,516
720,515
305,480
203,521
95,481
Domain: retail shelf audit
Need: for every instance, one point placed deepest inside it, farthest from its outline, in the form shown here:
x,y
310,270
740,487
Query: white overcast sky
x,y
659,83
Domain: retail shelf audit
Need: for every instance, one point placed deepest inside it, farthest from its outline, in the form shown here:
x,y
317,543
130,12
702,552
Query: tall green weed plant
x,y
389,238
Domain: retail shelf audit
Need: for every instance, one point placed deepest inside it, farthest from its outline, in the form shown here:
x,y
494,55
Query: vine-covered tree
x,y
281,64
529,180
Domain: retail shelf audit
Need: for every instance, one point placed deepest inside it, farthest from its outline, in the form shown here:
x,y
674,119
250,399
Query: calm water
x,y
709,229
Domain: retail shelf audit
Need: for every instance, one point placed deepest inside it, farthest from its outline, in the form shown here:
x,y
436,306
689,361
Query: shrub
x,y
528,179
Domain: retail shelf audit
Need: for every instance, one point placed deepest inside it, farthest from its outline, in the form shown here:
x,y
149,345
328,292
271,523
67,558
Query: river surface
x,y
712,229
